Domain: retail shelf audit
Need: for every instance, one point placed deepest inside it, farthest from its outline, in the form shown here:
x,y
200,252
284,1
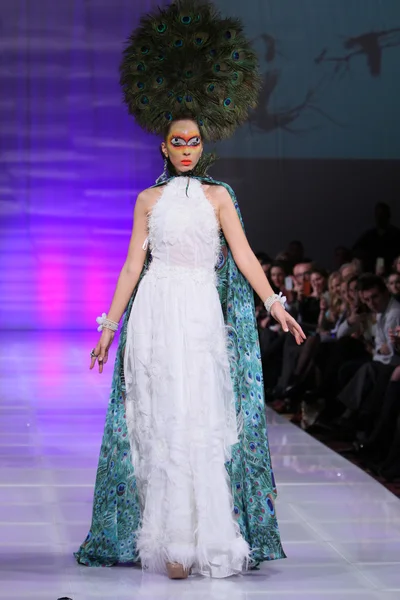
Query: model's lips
x,y
186,162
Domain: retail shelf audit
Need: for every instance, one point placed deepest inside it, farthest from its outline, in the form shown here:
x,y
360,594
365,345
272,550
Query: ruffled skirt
x,y
181,422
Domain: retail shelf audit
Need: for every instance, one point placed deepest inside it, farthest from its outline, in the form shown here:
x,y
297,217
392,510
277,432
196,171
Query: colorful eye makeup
x,y
178,141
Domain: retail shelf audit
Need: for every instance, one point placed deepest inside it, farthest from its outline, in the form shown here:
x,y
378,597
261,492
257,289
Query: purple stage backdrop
x,y
72,159
319,151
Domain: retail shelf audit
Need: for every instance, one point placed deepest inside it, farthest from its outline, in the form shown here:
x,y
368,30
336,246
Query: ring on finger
x,y
93,354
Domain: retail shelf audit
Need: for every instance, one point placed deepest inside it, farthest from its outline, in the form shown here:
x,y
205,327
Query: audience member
x,y
347,270
346,377
264,260
393,285
277,276
384,358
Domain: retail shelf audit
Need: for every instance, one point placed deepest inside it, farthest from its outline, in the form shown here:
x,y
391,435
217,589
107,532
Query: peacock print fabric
x,y
116,519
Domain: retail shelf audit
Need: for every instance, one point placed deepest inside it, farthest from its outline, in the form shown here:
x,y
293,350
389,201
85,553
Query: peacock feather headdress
x,y
187,59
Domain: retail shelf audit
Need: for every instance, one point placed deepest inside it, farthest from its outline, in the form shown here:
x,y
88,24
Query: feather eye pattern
x,y
187,59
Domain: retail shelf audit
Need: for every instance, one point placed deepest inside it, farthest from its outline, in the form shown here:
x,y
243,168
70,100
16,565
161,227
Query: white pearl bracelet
x,y
105,323
272,299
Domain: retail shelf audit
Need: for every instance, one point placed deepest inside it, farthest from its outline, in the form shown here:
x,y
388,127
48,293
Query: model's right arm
x,y
134,262
129,274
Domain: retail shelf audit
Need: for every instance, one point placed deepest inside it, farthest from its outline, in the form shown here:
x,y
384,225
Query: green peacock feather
x,y
188,59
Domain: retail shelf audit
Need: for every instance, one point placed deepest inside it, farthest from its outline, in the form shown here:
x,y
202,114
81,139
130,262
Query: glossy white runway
x,y
340,528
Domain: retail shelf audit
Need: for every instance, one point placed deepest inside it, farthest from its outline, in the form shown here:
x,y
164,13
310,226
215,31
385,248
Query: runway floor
x,y
340,528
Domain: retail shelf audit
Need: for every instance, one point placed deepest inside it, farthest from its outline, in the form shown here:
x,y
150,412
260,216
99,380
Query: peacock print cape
x,y
116,513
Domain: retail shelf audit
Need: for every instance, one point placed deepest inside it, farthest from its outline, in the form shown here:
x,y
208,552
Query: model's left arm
x,y
248,263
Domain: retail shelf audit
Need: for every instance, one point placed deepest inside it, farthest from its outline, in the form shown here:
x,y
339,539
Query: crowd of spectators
x,y
345,378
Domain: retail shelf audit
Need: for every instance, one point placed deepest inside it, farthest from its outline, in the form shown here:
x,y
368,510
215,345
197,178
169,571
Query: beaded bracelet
x,y
272,299
105,323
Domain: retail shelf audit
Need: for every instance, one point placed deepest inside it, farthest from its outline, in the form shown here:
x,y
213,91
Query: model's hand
x,y
287,322
101,350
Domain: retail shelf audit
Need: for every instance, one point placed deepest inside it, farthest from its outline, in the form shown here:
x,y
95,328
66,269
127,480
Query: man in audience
x,y
384,358
305,308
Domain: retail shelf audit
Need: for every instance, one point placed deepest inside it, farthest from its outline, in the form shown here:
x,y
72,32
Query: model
x,y
184,481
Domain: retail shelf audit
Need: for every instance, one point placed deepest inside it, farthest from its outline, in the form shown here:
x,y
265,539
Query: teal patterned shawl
x,y
116,513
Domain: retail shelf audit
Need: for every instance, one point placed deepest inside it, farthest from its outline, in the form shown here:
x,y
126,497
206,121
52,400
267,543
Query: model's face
x,y
277,276
183,145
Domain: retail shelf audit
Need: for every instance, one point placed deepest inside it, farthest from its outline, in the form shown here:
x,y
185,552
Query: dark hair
x,y
320,271
390,275
305,260
263,257
279,264
296,243
368,281
350,280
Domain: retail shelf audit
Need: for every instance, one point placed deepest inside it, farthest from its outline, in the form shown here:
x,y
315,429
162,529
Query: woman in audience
x,y
277,275
393,284
396,264
331,309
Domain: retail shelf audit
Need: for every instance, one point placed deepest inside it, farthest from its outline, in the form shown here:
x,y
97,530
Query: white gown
x,y
180,405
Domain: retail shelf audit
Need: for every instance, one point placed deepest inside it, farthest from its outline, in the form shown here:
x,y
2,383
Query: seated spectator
x,y
358,320
396,265
347,270
380,448
393,285
265,261
277,276
306,305
331,309
383,357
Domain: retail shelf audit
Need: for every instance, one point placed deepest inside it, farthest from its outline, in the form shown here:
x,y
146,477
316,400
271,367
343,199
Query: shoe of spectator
x,y
310,412
297,417
349,451
275,393
295,389
282,406
374,466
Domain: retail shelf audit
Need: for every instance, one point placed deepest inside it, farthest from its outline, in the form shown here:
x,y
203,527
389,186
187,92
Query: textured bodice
x,y
183,227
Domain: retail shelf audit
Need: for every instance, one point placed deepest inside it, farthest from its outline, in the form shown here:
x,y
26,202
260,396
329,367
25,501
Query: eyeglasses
x,y
302,275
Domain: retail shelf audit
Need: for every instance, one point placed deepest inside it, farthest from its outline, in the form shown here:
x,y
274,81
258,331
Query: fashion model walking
x,y
184,481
